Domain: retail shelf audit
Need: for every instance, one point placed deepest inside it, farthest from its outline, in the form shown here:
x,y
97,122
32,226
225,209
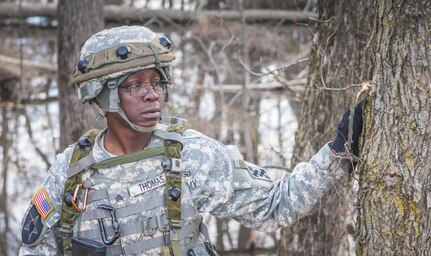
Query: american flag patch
x,y
43,204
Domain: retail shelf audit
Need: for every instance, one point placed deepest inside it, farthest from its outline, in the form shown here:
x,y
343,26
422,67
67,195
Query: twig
x,y
273,71
33,142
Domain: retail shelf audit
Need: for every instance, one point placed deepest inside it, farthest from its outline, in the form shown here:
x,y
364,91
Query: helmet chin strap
x,y
134,126
108,101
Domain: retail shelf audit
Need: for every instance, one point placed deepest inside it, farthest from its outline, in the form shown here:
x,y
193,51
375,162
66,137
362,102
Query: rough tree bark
x,y
395,179
78,20
338,64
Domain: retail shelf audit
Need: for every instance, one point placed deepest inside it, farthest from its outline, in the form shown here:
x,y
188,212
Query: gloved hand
x,y
343,131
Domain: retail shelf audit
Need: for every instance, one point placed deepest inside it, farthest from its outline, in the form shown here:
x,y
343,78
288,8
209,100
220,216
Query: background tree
x,y
339,62
395,180
9,81
77,21
211,62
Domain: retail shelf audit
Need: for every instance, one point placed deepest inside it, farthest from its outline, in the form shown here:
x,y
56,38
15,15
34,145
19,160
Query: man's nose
x,y
151,95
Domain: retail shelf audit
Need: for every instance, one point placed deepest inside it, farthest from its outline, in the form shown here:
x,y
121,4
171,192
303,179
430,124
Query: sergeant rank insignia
x,y
258,173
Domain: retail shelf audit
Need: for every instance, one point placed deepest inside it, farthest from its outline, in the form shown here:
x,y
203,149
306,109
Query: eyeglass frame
x,y
154,84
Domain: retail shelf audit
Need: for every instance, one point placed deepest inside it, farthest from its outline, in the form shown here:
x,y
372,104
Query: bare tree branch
x,y
33,142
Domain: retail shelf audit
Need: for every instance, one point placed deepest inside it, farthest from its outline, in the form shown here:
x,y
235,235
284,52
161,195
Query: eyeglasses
x,y
138,89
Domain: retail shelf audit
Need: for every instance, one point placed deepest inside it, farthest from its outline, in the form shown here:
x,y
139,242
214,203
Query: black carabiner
x,y
115,225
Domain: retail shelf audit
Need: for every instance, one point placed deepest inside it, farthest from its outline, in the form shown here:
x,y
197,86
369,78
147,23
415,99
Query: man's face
x,y
141,98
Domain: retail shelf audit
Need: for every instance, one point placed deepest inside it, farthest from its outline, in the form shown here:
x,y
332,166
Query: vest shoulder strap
x,y
173,188
84,145
68,215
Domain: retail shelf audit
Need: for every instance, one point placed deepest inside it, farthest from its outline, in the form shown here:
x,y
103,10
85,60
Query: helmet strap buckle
x,y
112,84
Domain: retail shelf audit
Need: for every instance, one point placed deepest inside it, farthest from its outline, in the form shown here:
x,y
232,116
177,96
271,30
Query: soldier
x,y
138,187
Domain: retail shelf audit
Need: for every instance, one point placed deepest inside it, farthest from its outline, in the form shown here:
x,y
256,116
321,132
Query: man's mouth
x,y
151,113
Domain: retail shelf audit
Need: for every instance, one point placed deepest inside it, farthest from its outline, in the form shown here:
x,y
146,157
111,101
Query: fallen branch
x,y
25,102
118,13
28,63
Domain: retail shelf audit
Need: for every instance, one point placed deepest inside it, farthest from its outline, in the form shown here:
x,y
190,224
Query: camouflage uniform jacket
x,y
215,180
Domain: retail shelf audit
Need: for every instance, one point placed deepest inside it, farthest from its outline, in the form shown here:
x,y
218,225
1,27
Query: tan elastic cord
x,y
159,68
156,55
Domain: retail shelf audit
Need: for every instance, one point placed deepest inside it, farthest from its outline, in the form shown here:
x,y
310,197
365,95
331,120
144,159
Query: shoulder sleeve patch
x,y
42,203
32,227
258,173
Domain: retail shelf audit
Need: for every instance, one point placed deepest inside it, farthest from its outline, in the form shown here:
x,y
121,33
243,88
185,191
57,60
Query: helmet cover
x,y
108,57
112,52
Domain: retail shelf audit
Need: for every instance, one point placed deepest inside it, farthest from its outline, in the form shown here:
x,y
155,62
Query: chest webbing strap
x,y
129,158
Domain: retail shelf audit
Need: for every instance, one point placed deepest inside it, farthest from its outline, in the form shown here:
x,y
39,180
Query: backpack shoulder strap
x,y
68,216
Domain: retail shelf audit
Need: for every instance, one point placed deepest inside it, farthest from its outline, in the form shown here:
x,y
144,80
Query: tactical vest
x,y
179,225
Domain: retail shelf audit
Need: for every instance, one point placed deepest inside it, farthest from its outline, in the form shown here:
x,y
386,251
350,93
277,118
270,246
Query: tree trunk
x,y
4,208
338,63
78,20
394,181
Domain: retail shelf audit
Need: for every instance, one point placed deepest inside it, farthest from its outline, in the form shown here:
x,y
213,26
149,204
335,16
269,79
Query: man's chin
x,y
149,124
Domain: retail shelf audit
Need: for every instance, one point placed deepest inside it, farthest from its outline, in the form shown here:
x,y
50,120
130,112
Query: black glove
x,y
343,131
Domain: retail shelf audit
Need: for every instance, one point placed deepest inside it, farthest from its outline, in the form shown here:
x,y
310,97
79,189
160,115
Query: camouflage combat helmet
x,y
110,56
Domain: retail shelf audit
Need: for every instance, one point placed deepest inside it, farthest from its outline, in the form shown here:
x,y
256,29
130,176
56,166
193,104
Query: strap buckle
x,y
148,231
162,223
115,225
167,246
176,224
75,204
172,165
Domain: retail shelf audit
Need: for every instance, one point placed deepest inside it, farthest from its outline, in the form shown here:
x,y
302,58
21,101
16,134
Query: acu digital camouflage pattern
x,y
141,56
115,36
216,180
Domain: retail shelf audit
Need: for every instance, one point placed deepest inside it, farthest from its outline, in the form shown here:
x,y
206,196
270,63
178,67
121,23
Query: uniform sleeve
x,y
40,221
227,186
